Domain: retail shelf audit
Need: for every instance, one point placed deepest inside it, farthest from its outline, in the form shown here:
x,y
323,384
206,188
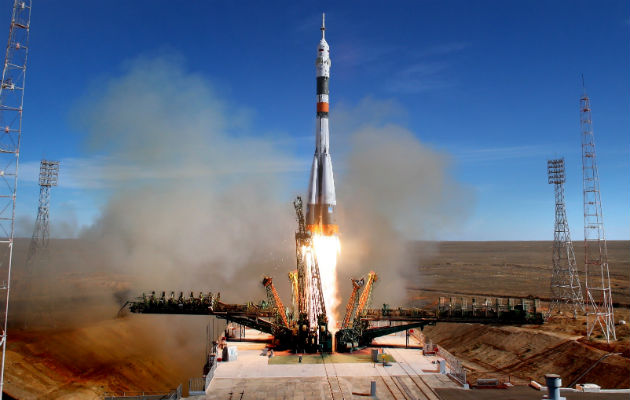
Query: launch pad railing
x,y
197,386
141,395
457,370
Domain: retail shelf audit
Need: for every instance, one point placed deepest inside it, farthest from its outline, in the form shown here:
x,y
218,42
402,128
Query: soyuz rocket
x,y
320,207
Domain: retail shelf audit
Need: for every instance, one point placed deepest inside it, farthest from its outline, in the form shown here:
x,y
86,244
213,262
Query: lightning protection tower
x,y
566,291
48,175
11,102
599,310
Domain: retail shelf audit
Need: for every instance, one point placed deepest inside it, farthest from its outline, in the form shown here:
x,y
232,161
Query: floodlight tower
x,y
11,102
566,291
599,310
48,175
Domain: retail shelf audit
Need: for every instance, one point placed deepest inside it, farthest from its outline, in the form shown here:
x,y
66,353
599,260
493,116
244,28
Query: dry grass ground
x,y
517,269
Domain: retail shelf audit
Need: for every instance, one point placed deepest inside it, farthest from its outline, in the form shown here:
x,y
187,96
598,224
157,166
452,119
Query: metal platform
x,y
263,316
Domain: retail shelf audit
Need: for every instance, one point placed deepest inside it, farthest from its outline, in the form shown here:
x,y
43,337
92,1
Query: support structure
x,y
354,327
293,278
311,306
274,299
372,323
566,290
11,103
366,294
48,175
353,303
599,307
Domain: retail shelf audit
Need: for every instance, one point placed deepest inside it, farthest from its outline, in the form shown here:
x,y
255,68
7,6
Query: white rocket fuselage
x,y
320,208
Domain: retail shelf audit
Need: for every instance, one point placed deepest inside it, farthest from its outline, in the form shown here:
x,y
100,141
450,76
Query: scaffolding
x,y
566,290
11,103
274,300
311,307
599,305
353,302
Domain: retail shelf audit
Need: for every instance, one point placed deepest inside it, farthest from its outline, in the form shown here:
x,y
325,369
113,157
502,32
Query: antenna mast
x,y
48,175
566,291
599,310
11,102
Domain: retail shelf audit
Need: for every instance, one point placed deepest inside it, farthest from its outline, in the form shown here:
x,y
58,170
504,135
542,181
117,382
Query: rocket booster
x,y
320,208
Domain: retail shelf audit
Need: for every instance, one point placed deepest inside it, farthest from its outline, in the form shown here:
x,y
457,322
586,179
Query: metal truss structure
x,y
11,103
566,290
48,176
599,310
311,306
353,302
371,324
275,301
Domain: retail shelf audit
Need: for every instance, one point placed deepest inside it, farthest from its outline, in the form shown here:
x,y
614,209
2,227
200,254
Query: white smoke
x,y
393,190
199,200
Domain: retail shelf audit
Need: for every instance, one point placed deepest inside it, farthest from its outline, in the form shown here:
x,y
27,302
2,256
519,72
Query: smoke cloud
x,y
396,196
198,200
205,210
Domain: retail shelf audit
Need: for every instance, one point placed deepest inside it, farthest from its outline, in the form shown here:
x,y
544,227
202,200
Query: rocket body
x,y
320,207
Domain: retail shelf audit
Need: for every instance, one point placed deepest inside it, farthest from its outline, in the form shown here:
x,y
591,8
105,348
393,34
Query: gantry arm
x,y
273,297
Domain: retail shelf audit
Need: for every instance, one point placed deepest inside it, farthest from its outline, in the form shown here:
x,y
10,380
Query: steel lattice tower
x,y
566,291
11,103
599,310
48,175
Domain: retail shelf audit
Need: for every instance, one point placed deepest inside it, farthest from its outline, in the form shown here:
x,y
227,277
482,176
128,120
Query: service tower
x,y
320,207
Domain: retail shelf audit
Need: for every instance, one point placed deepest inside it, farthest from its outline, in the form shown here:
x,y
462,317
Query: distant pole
x,y
566,290
599,310
48,177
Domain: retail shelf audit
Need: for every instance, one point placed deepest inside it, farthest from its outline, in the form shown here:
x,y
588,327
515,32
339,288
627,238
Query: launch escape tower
x,y
11,103
599,310
566,291
48,175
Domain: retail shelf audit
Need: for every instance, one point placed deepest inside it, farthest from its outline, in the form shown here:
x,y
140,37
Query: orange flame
x,y
327,248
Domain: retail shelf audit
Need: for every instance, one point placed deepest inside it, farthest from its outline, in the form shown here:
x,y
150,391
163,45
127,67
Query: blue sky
x,y
492,85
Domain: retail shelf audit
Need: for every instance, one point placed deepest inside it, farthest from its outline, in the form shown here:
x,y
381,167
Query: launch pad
x,y
366,326
303,327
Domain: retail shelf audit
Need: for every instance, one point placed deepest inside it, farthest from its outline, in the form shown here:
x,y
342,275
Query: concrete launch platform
x,y
253,376
253,364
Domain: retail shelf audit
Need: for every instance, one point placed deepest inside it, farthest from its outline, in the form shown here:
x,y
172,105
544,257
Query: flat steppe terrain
x,y
517,269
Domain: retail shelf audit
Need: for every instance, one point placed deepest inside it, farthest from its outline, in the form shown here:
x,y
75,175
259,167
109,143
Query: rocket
x,y
320,207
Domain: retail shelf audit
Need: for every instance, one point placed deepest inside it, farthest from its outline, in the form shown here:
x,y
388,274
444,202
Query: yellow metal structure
x,y
272,294
293,277
365,295
352,302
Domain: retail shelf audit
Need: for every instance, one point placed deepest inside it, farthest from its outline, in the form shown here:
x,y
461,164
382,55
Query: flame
x,y
327,248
